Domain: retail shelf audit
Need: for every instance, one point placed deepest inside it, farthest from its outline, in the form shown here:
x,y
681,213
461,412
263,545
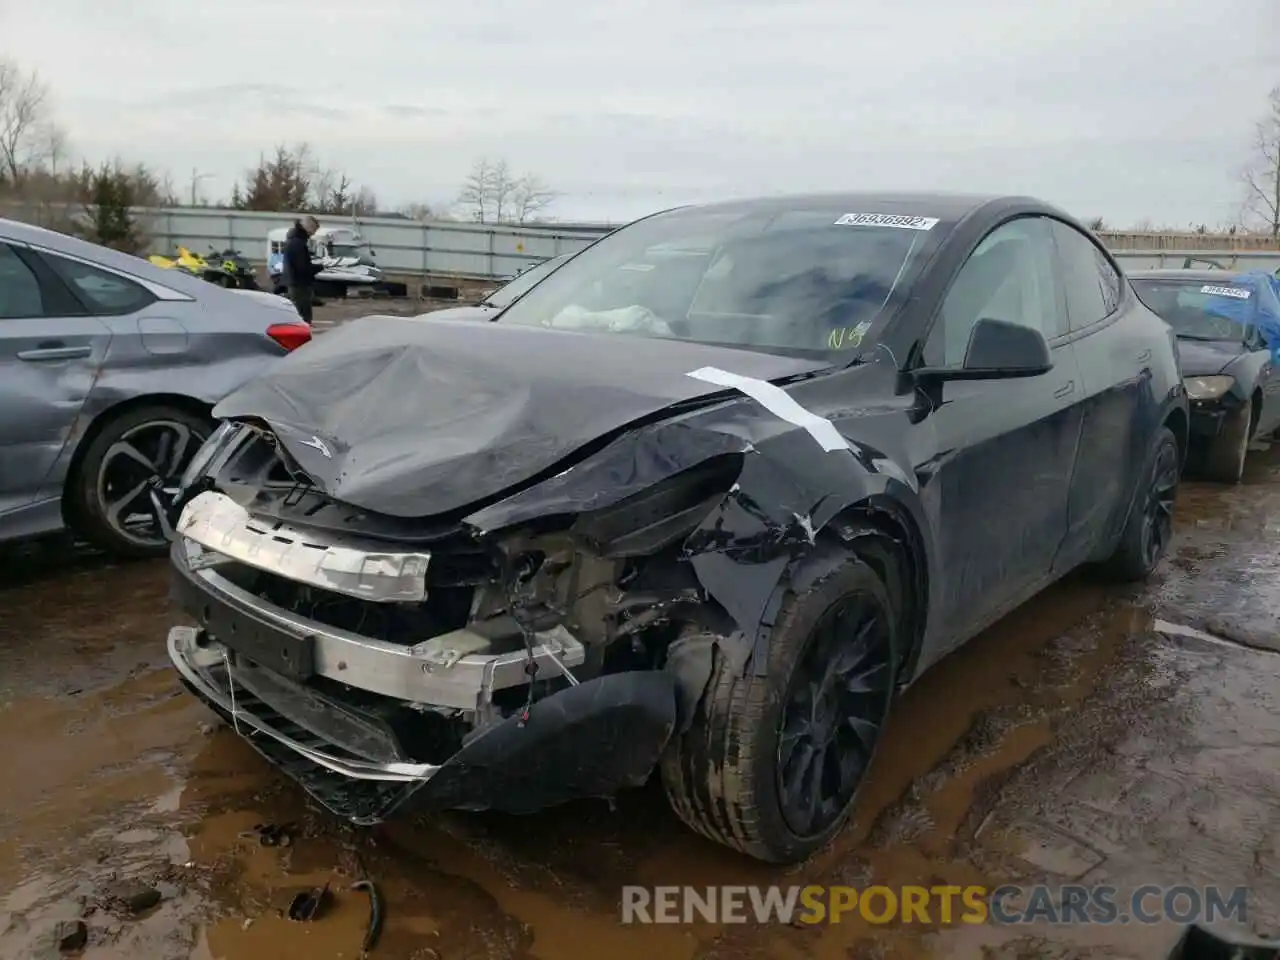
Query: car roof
x,y
73,246
945,206
1191,276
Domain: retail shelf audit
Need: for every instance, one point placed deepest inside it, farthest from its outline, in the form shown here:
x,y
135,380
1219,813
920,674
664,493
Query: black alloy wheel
x,y
1157,517
837,701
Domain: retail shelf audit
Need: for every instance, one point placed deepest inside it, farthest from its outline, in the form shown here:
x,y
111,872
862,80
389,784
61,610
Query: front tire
x,y
770,765
1224,460
137,457
1149,527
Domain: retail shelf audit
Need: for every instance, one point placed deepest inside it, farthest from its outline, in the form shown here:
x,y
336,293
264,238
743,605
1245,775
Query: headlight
x,y
204,456
1207,388
665,513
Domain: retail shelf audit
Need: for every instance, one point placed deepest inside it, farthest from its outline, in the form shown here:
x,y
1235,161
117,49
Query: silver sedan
x,y
109,367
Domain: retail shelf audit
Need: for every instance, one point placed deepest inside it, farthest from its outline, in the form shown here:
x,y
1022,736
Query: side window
x,y
105,293
1092,283
1009,276
20,293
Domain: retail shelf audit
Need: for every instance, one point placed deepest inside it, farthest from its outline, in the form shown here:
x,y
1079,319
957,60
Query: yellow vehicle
x,y
185,260
227,269
192,261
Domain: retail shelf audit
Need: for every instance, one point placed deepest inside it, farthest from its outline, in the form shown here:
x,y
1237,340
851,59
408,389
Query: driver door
x,y
997,487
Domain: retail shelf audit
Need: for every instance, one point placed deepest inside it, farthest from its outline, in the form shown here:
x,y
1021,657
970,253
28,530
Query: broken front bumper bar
x,y
206,667
437,672
588,740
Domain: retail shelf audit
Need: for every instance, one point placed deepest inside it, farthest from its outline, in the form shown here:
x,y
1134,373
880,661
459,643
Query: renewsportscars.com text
x,y
1068,904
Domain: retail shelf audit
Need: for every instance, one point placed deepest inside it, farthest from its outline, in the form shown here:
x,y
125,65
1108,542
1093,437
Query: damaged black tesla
x,y
699,503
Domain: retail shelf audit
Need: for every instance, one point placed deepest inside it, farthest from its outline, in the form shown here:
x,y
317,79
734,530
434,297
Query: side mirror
x,y
997,350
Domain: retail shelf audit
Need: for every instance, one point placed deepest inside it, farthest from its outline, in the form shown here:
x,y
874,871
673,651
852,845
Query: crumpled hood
x,y
1204,358
410,418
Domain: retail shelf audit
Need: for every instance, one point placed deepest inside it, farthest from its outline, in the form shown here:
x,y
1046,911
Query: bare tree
x,y
1097,224
337,199
529,198
324,183
492,193
417,211
53,148
1261,178
476,191
23,99
365,203
502,186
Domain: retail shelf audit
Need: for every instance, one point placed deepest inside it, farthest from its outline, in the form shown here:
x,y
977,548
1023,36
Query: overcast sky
x,y
1125,109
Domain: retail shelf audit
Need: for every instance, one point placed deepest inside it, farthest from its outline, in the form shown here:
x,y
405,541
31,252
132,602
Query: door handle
x,y
55,350
1144,356
1065,389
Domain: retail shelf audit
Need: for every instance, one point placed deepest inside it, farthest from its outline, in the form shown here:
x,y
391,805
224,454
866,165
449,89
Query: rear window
x,y
106,294
1184,305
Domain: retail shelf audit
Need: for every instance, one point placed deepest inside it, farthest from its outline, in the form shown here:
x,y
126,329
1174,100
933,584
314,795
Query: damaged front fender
x,y
783,494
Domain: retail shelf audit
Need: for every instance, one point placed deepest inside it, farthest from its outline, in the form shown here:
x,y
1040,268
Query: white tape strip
x,y
778,402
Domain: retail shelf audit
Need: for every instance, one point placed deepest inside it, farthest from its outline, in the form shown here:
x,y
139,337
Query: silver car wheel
x,y
147,459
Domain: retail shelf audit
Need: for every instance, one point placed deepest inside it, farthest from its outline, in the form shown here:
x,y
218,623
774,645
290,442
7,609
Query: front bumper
x,y
1207,417
271,675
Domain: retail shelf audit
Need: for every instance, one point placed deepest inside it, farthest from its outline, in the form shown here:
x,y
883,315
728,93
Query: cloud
x,y
1121,109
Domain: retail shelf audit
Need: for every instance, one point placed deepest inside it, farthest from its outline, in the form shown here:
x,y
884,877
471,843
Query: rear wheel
x,y
129,472
1149,528
1224,460
770,765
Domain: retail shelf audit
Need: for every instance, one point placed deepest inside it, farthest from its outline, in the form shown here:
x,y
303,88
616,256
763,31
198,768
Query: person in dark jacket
x,y
299,271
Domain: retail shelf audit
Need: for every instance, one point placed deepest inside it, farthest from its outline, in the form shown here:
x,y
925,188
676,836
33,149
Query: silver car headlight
x,y
204,456
1208,388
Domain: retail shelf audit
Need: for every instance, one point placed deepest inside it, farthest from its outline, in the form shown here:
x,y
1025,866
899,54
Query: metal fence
x,y
484,251
434,248
449,249
1268,260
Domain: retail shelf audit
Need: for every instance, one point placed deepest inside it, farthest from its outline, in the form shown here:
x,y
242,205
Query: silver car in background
x,y
109,367
503,297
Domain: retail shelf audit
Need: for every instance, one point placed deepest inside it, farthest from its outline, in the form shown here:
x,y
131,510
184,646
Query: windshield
x,y
803,281
505,295
1184,305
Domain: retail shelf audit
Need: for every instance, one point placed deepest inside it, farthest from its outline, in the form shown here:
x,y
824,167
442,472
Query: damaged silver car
x,y
698,504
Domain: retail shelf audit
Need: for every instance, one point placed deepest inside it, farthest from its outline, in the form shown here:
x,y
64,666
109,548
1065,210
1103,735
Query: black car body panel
x,y
713,480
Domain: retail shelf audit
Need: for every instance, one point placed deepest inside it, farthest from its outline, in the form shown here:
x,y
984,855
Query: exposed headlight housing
x,y
662,515
1207,388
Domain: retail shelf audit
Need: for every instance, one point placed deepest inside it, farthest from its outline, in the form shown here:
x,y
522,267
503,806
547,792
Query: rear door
x,y
50,354
998,488
1114,339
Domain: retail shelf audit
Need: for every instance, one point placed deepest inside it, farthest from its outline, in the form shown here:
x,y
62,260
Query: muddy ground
x,y
1121,736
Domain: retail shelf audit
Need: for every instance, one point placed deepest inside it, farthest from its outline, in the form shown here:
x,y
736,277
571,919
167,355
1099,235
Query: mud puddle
x,y
1083,736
